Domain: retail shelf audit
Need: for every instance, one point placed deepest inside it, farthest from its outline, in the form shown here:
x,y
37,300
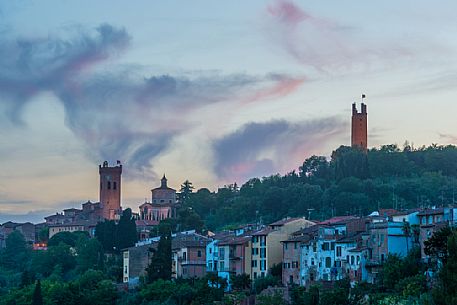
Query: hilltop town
x,y
338,221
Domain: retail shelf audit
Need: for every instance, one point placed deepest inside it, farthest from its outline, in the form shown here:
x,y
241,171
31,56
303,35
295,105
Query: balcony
x,y
194,262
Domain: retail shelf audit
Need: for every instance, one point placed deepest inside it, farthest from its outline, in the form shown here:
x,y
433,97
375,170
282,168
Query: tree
x,y
274,299
186,191
406,228
160,264
349,162
16,253
68,238
37,298
446,293
437,245
89,254
127,235
105,232
241,281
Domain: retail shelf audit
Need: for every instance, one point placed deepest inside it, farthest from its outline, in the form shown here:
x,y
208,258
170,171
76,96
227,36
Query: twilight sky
x,y
210,91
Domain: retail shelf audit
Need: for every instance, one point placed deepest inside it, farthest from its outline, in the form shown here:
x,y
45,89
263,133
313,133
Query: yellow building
x,y
267,247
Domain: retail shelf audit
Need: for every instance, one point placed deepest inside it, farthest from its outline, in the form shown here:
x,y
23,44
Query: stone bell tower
x,y
359,135
110,189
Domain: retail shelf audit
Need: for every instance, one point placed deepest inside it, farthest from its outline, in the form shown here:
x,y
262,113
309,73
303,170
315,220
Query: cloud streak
x,y
117,111
258,149
323,44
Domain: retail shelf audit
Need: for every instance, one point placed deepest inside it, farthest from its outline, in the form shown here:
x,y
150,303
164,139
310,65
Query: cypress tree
x,y
37,298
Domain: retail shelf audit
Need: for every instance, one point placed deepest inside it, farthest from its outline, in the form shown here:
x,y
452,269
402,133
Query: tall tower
x,y
110,189
359,135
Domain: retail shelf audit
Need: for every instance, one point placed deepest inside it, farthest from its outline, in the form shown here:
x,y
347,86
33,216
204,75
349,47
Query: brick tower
x,y
359,135
110,189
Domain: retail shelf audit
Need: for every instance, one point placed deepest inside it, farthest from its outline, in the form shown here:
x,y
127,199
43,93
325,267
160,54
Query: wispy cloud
x,y
258,149
119,112
323,44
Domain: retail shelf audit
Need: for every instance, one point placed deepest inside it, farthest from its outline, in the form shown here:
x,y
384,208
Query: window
x,y
312,262
352,259
254,263
338,251
295,245
288,265
358,260
263,265
263,252
210,266
285,246
184,256
255,275
314,247
210,250
221,266
222,252
263,241
199,253
325,246
114,185
328,262
332,246
109,185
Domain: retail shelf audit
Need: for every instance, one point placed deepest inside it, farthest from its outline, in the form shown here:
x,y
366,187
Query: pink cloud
x,y
322,43
280,88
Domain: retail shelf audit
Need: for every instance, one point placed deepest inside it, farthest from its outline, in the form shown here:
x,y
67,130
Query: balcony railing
x,y
193,262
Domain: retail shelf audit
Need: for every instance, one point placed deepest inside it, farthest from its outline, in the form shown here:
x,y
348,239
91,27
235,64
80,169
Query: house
x,y
267,249
291,259
81,225
135,260
189,255
234,257
432,220
27,229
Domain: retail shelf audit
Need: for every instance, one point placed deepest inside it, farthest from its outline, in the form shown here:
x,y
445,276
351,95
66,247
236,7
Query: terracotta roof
x,y
338,220
189,240
284,221
407,212
300,238
431,212
238,240
349,238
263,232
387,212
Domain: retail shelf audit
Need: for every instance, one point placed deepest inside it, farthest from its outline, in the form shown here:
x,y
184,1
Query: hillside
x,y
351,182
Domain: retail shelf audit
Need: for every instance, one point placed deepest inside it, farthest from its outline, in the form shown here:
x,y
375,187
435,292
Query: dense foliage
x,y
351,182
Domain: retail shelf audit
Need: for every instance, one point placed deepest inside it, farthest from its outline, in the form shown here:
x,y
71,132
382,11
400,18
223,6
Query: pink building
x,y
189,256
291,259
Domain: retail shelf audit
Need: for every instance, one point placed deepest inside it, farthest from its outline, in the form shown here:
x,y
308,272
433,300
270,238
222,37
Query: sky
x,y
215,92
